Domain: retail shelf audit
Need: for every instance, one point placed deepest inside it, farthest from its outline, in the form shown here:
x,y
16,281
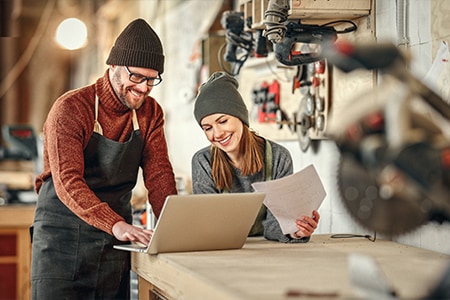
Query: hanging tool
x,y
234,24
306,34
259,96
266,99
272,104
301,78
274,18
285,34
306,120
261,47
238,41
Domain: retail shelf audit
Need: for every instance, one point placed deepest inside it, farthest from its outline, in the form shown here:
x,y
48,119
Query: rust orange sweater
x,y
67,130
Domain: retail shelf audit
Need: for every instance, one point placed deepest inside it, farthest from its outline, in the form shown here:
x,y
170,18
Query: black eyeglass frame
x,y
151,81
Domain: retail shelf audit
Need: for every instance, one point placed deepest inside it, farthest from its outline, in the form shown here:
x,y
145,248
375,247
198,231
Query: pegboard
x,y
253,75
304,96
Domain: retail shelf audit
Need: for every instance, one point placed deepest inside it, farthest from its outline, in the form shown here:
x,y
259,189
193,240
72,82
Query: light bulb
x,y
71,34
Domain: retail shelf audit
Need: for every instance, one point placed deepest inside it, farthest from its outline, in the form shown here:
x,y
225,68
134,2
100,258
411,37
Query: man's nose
x,y
144,87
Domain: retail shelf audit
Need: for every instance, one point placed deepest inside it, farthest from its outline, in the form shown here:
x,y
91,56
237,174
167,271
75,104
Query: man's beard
x,y
120,91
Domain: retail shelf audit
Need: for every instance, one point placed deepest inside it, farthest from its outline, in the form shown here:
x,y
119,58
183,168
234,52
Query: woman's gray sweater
x,y
203,183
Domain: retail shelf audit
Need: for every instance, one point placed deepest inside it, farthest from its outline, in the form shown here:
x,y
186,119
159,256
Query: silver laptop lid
x,y
205,222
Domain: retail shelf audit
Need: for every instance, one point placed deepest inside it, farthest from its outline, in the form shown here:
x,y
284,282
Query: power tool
x,y
20,143
233,22
306,34
394,171
284,34
18,158
238,41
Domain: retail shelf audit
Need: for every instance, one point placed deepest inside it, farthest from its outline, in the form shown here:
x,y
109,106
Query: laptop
x,y
202,222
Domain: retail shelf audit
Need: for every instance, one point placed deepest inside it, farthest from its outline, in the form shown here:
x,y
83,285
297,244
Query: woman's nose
x,y
218,133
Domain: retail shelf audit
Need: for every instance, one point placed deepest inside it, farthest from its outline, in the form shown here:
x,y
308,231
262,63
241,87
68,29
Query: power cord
x,y
243,43
348,235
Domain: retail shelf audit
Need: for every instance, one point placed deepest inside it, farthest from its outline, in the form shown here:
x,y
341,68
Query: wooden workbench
x,y
15,250
271,270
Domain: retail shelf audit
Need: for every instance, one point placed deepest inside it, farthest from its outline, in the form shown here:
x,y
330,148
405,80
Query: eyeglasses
x,y
138,78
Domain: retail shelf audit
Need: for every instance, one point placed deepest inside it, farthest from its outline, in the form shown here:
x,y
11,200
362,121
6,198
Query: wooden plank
x,y
271,270
144,288
259,8
329,9
22,259
16,216
8,259
17,180
17,165
246,8
331,4
174,281
24,263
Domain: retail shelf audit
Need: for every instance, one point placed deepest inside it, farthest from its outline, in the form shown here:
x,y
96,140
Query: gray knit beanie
x,y
138,46
219,94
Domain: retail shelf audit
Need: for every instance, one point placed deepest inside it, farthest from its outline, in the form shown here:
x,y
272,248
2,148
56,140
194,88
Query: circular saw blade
x,y
372,206
304,124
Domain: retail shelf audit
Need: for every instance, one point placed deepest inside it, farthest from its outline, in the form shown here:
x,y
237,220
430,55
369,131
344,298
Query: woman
x,y
239,157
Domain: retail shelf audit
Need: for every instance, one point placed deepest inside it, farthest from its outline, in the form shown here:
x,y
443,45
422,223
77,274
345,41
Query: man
x,y
95,140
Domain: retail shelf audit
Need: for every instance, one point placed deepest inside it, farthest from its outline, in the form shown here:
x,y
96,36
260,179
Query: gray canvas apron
x,y
257,227
70,258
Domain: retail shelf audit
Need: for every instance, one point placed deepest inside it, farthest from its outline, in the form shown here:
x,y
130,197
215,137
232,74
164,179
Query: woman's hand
x,y
306,225
126,232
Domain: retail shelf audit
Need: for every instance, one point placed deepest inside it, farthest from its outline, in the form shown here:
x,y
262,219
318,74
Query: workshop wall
x,y
183,74
183,26
311,147
426,27
185,137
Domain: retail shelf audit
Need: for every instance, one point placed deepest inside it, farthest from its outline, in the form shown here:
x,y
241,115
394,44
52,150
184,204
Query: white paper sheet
x,y
291,197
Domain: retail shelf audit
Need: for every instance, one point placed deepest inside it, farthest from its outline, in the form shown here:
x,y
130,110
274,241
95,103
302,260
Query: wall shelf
x,y
308,10
329,9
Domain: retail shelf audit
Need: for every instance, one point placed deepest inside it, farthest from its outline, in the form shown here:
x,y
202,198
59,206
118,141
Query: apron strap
x,y
268,161
98,127
258,227
135,122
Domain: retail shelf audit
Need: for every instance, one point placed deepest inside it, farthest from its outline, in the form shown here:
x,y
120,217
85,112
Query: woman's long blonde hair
x,y
251,146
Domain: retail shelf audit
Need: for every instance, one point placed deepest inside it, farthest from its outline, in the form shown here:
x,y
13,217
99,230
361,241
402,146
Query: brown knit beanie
x,y
138,46
219,94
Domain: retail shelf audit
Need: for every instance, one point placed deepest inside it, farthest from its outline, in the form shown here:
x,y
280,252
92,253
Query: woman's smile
x,y
225,141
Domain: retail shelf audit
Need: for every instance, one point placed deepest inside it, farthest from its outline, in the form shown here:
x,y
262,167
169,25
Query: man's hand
x,y
306,225
126,232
